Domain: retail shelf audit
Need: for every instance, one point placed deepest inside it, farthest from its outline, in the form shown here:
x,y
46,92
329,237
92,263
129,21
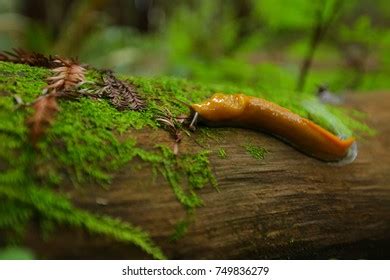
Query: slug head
x,y
221,107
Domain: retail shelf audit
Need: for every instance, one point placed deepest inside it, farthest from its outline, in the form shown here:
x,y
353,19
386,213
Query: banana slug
x,y
240,110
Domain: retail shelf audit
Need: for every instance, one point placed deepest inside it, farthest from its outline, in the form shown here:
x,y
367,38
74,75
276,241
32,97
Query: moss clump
x,y
16,253
43,203
21,199
205,136
191,170
93,150
181,227
256,152
23,80
222,153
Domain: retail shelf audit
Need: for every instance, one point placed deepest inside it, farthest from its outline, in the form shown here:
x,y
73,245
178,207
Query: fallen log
x,y
287,205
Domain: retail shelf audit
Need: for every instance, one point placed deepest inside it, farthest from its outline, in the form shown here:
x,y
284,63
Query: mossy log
x,y
286,205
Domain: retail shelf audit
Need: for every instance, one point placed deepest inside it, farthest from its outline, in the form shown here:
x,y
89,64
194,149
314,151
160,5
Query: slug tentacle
x,y
194,121
259,114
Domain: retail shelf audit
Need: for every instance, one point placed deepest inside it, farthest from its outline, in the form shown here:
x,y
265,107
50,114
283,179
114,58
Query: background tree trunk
x,y
285,206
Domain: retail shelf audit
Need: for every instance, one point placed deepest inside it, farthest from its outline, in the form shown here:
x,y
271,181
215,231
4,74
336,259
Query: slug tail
x,y
350,157
348,142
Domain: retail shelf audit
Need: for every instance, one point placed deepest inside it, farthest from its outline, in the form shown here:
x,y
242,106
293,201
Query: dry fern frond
x,y
3,57
122,95
45,110
30,58
67,75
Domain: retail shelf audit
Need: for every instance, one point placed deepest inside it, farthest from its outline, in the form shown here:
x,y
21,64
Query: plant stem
x,y
319,30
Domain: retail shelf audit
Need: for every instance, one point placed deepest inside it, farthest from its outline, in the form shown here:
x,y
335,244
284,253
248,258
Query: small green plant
x,y
256,152
181,228
222,153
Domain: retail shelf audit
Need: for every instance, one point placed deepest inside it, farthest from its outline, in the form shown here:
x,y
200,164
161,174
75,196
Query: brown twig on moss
x,y
66,76
45,110
174,125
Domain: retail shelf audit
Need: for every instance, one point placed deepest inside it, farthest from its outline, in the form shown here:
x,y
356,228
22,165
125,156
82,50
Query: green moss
x,y
222,153
256,152
180,171
16,253
93,151
21,167
205,137
90,140
181,228
55,208
19,79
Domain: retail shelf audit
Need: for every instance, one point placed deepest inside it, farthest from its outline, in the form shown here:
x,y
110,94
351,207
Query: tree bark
x,y
285,206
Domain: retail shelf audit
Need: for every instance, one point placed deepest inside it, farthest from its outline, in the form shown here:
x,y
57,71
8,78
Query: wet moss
x,y
28,176
255,152
222,153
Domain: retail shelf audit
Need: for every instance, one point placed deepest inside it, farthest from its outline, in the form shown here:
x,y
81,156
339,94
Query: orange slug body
x,y
256,113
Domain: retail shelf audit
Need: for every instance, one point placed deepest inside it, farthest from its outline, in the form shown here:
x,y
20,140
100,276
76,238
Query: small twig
x,y
18,99
173,125
194,121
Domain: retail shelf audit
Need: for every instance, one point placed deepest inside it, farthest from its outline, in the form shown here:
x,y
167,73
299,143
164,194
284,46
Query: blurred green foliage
x,y
252,43
16,253
206,30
